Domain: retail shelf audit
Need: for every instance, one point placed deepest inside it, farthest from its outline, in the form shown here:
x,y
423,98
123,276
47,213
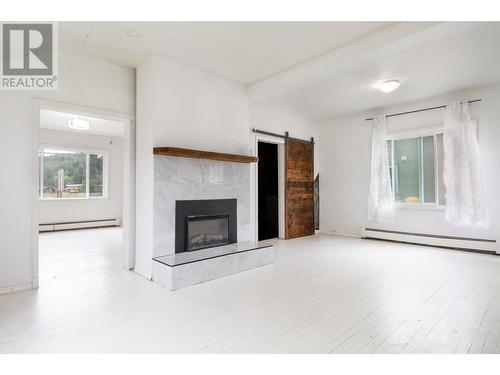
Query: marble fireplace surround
x,y
179,178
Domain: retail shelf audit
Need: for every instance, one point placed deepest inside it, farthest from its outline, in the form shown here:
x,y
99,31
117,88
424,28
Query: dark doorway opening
x,y
268,190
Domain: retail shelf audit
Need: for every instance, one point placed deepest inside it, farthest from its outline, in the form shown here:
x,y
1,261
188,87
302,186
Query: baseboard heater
x,y
451,242
79,225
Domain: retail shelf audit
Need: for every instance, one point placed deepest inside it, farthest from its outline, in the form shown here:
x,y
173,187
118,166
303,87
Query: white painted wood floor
x,y
323,295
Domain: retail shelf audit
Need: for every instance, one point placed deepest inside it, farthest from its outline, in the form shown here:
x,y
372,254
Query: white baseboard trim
x,y
476,244
332,233
16,288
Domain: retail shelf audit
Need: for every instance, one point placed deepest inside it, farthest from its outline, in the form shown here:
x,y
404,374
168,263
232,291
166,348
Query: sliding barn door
x,y
299,188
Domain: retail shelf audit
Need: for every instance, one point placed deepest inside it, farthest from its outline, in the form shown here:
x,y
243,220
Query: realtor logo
x,y
29,56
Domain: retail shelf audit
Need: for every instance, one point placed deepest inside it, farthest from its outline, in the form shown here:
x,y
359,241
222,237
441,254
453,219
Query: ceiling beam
x,y
396,37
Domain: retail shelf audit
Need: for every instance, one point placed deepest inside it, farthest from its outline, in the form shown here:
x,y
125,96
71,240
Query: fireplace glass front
x,y
205,231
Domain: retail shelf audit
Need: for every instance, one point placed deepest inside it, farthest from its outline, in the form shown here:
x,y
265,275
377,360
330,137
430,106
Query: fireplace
x,y
200,224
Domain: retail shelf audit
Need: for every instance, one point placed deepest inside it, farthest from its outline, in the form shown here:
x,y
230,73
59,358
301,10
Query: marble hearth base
x,y
185,269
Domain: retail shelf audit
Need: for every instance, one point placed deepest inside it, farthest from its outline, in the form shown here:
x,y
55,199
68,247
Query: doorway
x,y
268,188
85,196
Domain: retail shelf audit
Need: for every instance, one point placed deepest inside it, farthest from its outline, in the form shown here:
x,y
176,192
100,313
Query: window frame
x,y
419,134
87,152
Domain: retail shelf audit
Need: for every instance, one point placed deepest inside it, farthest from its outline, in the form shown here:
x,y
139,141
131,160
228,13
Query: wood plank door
x,y
299,188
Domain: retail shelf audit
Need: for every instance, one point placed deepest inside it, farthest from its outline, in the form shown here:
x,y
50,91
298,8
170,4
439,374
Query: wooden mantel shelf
x,y
197,154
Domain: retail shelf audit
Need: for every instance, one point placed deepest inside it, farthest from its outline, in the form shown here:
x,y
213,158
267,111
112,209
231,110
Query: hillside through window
x,y
68,173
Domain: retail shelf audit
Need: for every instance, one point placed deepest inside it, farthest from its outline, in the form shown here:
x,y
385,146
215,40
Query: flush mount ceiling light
x,y
133,33
389,85
79,124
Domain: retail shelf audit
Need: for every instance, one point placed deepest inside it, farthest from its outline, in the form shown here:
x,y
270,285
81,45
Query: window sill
x,y
73,199
418,206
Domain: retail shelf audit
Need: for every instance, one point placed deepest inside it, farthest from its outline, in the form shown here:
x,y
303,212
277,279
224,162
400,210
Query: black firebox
x,y
200,224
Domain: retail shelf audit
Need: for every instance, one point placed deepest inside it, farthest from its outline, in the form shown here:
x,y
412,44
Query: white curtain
x,y
380,199
465,205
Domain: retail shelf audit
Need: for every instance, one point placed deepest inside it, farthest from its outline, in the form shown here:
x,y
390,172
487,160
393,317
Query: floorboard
x,y
324,294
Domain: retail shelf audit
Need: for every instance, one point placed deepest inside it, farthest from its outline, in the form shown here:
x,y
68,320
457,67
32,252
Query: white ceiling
x,y
244,52
316,69
441,59
60,121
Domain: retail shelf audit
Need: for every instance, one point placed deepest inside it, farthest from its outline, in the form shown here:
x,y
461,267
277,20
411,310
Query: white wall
x,y
181,106
82,81
64,210
345,167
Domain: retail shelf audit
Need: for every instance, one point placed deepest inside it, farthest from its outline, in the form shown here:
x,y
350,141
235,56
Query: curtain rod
x,y
282,136
421,110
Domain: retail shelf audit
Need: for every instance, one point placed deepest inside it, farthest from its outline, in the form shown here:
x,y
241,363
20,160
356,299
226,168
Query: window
x,y
66,173
96,178
416,166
